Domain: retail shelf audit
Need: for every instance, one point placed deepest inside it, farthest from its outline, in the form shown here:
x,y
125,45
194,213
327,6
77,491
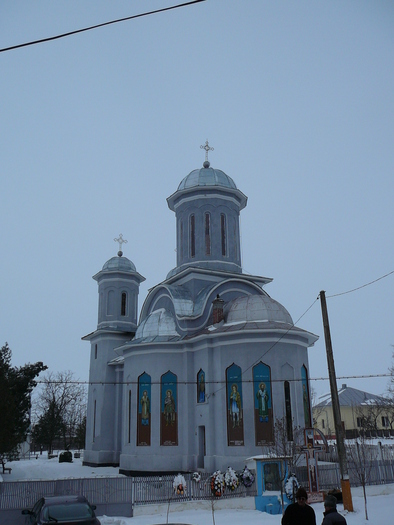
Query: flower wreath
x,y
196,476
217,483
291,486
179,484
247,477
231,479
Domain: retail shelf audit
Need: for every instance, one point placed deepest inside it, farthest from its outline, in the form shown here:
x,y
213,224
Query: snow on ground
x,y
380,500
44,468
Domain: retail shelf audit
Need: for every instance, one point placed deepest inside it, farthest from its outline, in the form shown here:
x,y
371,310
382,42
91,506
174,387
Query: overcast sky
x,y
98,129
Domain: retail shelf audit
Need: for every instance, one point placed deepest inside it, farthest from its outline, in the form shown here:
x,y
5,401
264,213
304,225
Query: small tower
x,y
118,288
207,204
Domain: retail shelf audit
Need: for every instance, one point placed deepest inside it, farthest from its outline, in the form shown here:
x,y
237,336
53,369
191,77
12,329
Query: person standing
x,y
331,516
299,513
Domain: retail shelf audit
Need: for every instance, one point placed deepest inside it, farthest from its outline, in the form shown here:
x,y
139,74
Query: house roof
x,y
349,396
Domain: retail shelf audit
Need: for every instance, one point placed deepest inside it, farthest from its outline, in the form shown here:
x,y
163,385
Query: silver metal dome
x,y
207,176
119,263
251,308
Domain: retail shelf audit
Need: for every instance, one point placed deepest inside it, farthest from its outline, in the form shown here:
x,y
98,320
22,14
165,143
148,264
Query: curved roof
x,y
256,308
119,263
159,323
207,176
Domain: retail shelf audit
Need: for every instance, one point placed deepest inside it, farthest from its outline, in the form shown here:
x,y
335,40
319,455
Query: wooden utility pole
x,y
339,431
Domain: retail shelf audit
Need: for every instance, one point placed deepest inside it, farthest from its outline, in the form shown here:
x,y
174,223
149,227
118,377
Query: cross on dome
x,y
207,148
120,241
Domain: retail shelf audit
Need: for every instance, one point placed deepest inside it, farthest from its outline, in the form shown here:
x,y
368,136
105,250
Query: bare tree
x,y
360,455
61,401
389,399
369,414
286,448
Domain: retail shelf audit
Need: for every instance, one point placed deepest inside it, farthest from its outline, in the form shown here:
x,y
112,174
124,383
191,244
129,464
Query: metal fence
x,y
159,489
378,473
115,495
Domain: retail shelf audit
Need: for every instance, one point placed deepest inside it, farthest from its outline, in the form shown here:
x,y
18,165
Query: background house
x,y
359,411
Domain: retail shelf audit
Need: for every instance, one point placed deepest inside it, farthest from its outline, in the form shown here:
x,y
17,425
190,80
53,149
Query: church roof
x,y
207,176
249,308
159,323
116,265
119,263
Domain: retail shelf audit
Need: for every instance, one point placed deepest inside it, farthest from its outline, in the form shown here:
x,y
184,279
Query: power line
x,y
63,35
362,286
218,382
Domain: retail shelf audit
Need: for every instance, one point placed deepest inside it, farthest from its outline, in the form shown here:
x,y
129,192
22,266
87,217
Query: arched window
x,y
94,420
181,238
289,419
169,410
110,303
201,386
235,419
192,236
129,418
144,410
207,221
305,396
263,408
235,240
223,233
124,303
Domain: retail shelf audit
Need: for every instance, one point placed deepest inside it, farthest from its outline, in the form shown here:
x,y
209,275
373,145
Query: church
x,y
198,380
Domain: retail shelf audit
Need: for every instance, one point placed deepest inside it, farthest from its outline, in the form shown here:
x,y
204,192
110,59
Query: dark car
x,y
67,510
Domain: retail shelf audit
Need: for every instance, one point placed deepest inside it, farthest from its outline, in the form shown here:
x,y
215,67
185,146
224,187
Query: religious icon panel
x,y
235,423
263,420
168,412
144,412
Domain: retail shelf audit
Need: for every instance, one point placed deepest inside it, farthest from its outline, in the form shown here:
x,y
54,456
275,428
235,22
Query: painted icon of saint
x,y
145,408
262,398
235,406
169,408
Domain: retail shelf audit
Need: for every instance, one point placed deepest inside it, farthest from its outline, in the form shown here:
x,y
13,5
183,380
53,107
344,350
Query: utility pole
x,y
339,431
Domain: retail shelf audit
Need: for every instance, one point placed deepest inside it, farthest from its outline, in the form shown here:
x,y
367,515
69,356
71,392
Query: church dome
x,y
206,176
119,263
249,308
158,323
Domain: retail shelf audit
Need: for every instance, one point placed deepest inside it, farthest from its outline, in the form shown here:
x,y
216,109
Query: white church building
x,y
198,380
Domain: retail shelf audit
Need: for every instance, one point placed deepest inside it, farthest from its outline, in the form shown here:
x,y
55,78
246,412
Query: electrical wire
x,y
222,381
63,35
362,286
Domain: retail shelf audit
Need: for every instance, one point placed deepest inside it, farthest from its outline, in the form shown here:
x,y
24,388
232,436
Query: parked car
x,y
67,510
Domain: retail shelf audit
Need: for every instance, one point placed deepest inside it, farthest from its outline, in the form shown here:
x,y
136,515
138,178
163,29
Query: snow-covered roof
x,y
349,396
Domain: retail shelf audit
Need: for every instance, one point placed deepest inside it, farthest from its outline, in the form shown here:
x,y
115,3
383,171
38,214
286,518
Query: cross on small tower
x,y
207,148
120,241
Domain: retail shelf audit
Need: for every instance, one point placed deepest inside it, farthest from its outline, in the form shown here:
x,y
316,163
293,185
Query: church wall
x,y
103,401
214,356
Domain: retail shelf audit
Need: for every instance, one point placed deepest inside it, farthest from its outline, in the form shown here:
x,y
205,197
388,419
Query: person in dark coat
x,y
331,516
299,513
